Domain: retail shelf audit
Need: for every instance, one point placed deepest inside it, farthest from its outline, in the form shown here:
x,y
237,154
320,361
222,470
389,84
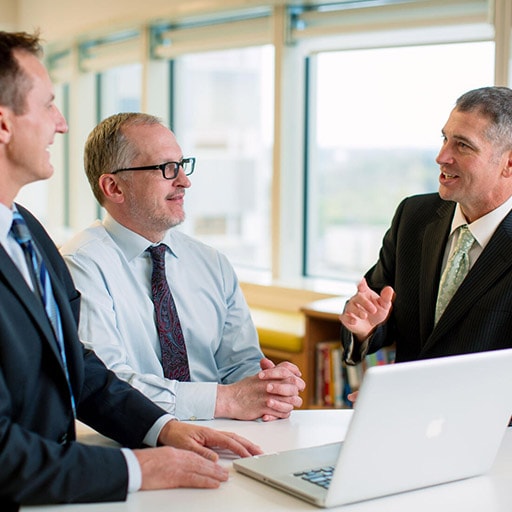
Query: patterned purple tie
x,y
172,342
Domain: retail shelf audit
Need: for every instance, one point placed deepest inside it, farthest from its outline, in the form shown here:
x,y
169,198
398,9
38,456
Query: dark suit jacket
x,y
479,316
40,461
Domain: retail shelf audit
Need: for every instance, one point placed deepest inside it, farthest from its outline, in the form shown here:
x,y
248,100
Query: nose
x,y
61,126
444,156
182,179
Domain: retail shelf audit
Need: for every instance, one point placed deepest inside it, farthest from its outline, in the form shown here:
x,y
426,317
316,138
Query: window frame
x,y
435,21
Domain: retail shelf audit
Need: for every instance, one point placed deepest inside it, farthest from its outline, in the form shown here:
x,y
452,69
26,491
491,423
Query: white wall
x,y
8,14
64,19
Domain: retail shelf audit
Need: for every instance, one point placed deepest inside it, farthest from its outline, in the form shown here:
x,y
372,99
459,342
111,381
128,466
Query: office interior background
x,y
310,120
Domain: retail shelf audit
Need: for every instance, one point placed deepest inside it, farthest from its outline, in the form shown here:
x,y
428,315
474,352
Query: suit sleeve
x,y
382,274
40,460
35,469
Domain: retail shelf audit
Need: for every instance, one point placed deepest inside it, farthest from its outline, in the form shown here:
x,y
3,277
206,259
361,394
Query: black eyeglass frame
x,y
189,160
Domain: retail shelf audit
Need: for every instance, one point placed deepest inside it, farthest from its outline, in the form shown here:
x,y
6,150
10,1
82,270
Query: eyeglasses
x,y
169,170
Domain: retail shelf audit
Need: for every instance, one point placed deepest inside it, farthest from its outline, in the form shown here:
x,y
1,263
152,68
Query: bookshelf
x,y
321,324
322,331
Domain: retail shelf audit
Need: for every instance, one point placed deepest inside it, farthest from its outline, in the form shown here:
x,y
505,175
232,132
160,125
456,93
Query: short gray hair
x,y
107,148
494,103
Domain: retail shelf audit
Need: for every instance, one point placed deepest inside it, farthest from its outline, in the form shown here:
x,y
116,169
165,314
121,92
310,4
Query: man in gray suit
x,y
397,300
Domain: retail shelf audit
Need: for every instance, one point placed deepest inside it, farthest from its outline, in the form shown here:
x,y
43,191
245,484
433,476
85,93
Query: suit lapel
x,y
69,326
434,242
10,274
494,261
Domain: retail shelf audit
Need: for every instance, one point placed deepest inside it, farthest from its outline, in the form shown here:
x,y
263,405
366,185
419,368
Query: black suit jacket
x,y
40,461
479,316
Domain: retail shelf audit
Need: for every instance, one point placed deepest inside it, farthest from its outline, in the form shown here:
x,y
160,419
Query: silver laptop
x,y
414,425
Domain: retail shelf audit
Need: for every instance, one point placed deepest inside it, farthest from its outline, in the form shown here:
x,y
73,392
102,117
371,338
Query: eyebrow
x,y
50,98
461,138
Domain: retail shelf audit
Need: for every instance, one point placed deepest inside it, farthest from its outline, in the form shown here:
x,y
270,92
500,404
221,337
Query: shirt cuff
x,y
134,471
151,439
196,401
354,358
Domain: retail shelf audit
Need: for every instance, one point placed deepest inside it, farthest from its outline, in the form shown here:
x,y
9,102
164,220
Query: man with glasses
x,y
208,362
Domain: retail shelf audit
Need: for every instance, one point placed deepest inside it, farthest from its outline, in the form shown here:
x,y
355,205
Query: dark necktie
x,y
172,342
42,286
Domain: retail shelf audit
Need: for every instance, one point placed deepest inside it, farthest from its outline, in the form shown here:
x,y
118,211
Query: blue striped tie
x,y
42,286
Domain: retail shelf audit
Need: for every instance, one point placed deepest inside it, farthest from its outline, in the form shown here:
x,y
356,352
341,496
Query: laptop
x,y
414,425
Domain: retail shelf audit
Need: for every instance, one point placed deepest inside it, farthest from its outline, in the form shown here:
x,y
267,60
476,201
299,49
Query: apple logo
x,y
435,428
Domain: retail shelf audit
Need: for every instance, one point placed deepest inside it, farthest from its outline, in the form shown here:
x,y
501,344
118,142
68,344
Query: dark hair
x,y
14,83
494,103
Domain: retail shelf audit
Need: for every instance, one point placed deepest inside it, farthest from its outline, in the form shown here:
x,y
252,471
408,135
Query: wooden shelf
x,y
322,323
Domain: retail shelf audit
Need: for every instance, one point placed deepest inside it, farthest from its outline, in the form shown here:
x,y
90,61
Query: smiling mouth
x,y
448,176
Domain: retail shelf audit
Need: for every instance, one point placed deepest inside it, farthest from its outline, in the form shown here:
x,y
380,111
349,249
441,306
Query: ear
x,y
507,169
109,185
5,124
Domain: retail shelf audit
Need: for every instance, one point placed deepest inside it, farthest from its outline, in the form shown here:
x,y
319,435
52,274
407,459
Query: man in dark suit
x,y
47,378
399,300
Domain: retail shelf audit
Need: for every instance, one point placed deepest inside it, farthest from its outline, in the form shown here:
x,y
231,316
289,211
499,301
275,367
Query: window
x,y
357,92
120,90
223,108
376,119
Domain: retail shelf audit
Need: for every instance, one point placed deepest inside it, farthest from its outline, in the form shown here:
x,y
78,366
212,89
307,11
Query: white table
x,y
489,493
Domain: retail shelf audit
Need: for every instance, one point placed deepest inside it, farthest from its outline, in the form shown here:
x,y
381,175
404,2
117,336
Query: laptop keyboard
x,y
321,476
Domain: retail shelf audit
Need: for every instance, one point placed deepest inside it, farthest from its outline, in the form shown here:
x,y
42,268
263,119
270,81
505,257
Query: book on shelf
x,y
331,379
384,355
335,380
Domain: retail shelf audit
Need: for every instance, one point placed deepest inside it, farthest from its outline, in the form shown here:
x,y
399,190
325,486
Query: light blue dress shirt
x,y
112,270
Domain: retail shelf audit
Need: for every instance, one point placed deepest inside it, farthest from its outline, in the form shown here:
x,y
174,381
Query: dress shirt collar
x,y
132,244
484,227
5,222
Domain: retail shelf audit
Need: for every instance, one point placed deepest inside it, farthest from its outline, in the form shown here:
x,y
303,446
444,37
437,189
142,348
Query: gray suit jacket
x,y
479,316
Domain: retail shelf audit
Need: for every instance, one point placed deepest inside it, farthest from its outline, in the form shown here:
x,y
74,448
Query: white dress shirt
x,y
482,230
112,270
